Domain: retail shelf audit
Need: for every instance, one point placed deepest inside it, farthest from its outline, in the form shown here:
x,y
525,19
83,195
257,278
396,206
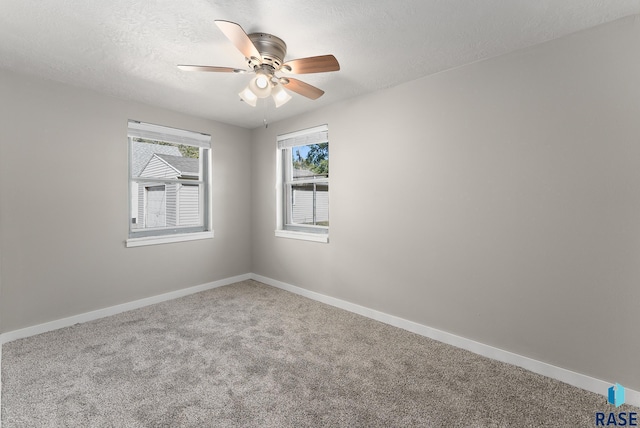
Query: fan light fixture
x,y
262,86
265,54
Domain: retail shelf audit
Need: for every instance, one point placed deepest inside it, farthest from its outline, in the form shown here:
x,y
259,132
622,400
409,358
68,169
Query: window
x,y
303,181
169,185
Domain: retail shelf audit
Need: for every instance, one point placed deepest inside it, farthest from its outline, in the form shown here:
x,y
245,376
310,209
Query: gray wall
x,y
505,206
64,205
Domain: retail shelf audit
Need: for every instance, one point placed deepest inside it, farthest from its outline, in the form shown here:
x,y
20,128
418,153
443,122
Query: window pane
x,y
309,204
311,161
165,205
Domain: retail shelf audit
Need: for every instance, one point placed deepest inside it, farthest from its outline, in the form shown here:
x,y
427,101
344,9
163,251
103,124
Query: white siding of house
x,y
188,203
158,168
140,202
172,212
302,208
135,209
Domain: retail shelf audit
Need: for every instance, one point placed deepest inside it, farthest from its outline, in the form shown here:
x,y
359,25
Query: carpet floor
x,y
249,355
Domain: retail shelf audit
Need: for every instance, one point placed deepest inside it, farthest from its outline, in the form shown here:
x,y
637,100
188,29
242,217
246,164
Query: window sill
x,y
167,239
304,236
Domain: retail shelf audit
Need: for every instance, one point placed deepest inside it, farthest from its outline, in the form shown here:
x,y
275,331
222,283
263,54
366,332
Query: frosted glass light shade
x,y
280,96
248,96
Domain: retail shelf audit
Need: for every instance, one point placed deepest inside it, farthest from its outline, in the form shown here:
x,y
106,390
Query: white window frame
x,y
285,142
153,236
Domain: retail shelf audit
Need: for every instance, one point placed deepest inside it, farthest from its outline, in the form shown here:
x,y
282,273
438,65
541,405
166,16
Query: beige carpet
x,y
254,356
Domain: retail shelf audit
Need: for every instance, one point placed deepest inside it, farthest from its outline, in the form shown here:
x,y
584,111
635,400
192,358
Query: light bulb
x,y
262,82
261,85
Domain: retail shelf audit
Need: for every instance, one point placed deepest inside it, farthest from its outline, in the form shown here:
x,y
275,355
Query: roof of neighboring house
x,y
299,173
142,153
184,165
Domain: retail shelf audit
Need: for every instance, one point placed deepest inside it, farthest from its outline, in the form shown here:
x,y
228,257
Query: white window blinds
x,y
316,135
168,135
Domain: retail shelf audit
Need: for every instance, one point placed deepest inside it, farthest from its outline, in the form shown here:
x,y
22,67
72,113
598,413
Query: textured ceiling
x,y
130,48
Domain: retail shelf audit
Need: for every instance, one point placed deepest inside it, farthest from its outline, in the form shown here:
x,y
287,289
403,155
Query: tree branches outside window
x,y
316,159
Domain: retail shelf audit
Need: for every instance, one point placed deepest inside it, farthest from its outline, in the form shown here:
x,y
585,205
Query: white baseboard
x,y
113,310
567,376
572,378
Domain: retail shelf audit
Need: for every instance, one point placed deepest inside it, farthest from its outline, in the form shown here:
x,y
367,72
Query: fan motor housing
x,y
272,49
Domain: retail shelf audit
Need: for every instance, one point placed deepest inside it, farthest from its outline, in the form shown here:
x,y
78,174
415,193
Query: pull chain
x,y
264,114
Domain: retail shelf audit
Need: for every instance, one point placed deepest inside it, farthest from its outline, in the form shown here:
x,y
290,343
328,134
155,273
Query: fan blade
x,y
239,38
210,68
303,89
314,64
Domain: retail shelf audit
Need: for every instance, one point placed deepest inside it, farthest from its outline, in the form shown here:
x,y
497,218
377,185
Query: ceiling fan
x,y
265,54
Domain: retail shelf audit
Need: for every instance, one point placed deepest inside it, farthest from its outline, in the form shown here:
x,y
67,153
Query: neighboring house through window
x,y
303,185
169,184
